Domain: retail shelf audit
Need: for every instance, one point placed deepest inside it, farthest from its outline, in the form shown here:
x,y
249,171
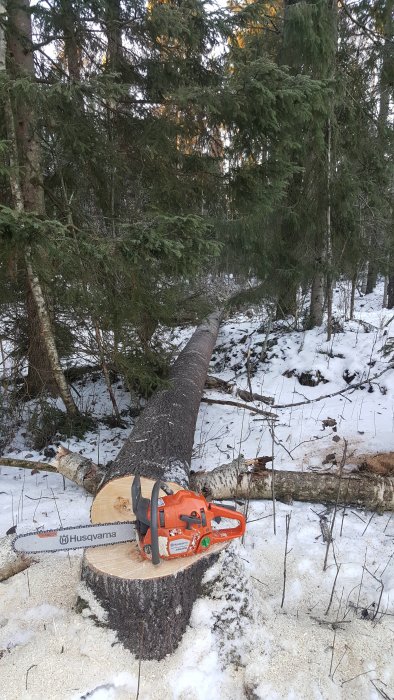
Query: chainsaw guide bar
x,y
78,537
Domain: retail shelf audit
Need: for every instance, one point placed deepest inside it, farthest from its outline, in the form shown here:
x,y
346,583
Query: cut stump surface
x,y
149,606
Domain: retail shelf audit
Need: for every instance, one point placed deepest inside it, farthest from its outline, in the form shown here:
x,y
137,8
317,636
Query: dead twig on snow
x,y
288,518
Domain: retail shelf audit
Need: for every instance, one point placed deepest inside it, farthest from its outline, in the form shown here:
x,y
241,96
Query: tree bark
x,y
371,277
352,296
372,487
72,44
3,45
362,489
390,292
48,337
385,91
148,606
364,275
11,563
114,34
317,300
28,195
328,241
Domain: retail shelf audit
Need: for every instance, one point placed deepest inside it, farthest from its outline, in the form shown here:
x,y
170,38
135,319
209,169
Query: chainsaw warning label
x,y
178,546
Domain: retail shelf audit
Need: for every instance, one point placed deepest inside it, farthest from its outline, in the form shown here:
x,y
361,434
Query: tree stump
x,y
149,606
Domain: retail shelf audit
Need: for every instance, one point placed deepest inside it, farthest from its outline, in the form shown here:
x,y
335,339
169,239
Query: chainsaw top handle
x,y
230,532
153,523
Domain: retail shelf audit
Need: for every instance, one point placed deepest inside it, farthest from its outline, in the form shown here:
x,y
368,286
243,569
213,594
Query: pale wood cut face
x,y
125,561
113,503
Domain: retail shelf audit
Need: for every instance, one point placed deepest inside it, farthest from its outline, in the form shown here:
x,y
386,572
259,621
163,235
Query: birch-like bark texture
x,y
239,480
371,488
48,337
11,563
79,469
28,195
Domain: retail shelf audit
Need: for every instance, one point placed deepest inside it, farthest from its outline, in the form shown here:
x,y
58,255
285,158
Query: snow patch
x,y
43,612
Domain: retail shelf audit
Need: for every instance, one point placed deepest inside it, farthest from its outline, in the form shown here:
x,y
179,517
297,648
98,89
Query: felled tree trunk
x,y
248,479
149,606
371,487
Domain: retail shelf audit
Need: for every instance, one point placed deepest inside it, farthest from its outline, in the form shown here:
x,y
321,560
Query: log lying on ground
x,y
79,469
148,606
11,563
372,487
251,480
229,388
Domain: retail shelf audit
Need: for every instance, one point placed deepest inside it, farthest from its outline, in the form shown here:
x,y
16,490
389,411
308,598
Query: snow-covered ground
x,y
329,634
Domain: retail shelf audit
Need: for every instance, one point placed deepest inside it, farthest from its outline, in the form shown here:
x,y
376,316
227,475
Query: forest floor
x,y
329,634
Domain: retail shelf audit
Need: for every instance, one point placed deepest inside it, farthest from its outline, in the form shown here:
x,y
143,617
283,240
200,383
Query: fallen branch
x,y
245,406
26,464
336,393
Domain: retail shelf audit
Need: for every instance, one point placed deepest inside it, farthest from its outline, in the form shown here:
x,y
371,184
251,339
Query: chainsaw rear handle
x,y
228,533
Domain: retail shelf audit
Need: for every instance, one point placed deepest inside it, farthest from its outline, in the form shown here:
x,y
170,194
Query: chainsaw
x,y
177,525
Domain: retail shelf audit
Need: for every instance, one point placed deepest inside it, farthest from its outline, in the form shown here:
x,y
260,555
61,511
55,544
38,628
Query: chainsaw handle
x,y
228,533
153,523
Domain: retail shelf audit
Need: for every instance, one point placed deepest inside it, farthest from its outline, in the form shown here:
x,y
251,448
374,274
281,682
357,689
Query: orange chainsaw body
x,y
185,526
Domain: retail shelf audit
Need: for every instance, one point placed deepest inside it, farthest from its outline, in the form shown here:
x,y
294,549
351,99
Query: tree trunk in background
x,y
114,53
3,44
364,275
114,34
48,337
71,44
386,90
328,241
26,184
317,300
385,287
148,606
386,74
390,292
328,247
371,277
353,296
40,376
